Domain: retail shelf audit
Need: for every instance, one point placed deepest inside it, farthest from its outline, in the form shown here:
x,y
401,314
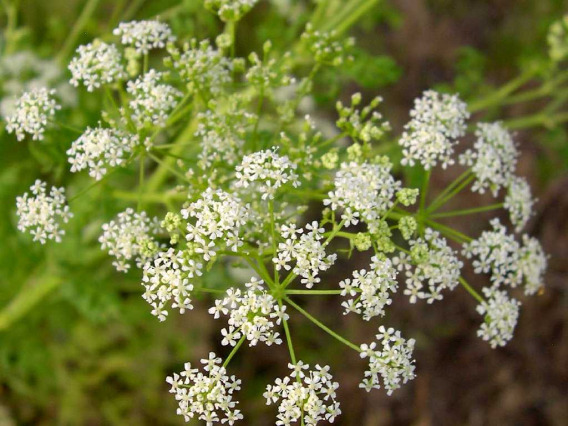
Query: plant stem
x,y
234,351
322,326
471,290
469,211
70,41
314,292
451,195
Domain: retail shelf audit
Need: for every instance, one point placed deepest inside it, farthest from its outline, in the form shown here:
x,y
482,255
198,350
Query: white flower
x,y
430,268
363,191
519,202
42,215
493,158
99,149
144,35
306,396
508,262
207,396
129,236
308,253
33,110
393,364
268,171
152,101
166,279
97,63
437,121
370,290
501,314
252,313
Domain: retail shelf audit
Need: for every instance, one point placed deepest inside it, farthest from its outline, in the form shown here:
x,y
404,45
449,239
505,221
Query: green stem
x,y
288,338
354,16
471,290
313,292
140,183
322,326
469,211
451,186
450,232
80,24
234,351
452,194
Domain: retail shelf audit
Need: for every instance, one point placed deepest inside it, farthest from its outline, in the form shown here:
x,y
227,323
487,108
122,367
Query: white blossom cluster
x,y
130,235
96,63
166,279
266,171
205,69
219,217
493,158
507,261
430,267
306,396
519,202
230,10
144,36
99,149
501,314
41,214
252,313
208,395
306,250
437,121
152,101
370,290
222,136
31,113
363,191
393,365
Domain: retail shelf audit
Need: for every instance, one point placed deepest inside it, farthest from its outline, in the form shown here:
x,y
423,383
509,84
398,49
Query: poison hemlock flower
x,y
430,268
252,313
32,112
519,202
501,314
306,396
363,191
41,214
130,236
99,149
166,278
507,261
370,290
364,125
493,158
208,395
326,47
305,249
266,171
392,365
152,101
144,36
429,138
96,64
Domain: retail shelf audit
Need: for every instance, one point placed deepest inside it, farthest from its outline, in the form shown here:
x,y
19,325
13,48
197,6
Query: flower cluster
x,y
230,10
205,69
267,172
218,218
429,138
327,47
501,314
493,158
430,267
306,396
144,36
207,396
97,63
41,214
166,279
99,149
251,314
152,101
558,40
306,250
32,111
506,260
393,364
130,236
363,191
519,202
364,125
370,290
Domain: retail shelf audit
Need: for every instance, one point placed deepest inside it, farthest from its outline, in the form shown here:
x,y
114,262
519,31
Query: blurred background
x,y
78,345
